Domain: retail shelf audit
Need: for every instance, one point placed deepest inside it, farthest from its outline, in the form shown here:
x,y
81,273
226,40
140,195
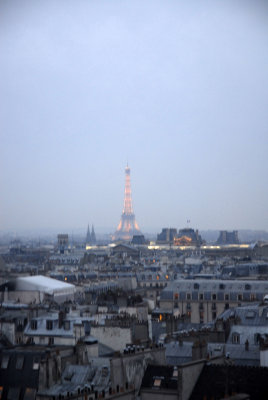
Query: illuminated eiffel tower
x,y
127,226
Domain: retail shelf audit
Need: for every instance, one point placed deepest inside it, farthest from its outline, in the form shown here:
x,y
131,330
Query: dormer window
x,y
4,363
19,362
157,381
236,338
66,325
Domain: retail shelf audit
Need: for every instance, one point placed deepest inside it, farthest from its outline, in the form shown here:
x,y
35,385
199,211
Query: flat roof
x,y
40,282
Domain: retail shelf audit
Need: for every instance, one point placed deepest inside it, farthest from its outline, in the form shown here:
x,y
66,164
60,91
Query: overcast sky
x,y
178,89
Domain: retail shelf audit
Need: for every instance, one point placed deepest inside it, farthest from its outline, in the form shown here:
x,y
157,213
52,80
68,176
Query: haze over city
x,y
178,90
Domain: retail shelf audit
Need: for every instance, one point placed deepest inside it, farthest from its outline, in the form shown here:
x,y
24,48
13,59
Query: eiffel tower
x,y
128,225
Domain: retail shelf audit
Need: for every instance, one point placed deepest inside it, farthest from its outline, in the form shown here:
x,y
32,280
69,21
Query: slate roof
x,y
95,375
215,381
159,377
17,370
74,377
177,354
56,330
247,334
248,315
240,356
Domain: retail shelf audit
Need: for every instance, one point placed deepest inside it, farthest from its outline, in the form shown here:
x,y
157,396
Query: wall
x,y
264,358
115,337
188,376
131,367
8,329
152,394
58,340
25,297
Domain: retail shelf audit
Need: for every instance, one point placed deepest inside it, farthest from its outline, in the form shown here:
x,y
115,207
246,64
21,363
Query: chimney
x,y
61,318
6,295
199,350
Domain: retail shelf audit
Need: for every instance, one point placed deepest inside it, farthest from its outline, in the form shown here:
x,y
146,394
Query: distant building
x,y
203,300
188,237
167,235
138,239
226,237
63,242
90,237
54,329
37,289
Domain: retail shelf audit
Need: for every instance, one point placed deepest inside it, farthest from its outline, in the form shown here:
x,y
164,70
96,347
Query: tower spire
x,y
128,225
88,237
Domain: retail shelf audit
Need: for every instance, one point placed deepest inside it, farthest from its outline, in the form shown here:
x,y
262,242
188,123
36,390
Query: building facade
x,y
203,300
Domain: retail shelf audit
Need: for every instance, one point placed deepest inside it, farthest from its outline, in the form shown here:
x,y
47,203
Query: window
x,y
214,315
4,363
239,297
33,324
175,372
176,305
30,394
214,296
201,315
257,338
50,341
66,325
226,306
250,314
221,286
247,286
196,286
176,296
157,382
13,393
201,306
49,325
19,325
36,363
188,296
188,306
201,296
252,297
236,338
213,306
226,296
19,362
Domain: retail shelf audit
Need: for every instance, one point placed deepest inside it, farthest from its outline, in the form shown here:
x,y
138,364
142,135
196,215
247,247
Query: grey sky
x,y
179,89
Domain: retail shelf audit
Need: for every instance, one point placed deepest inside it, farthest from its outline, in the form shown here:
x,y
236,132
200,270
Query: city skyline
x,y
179,91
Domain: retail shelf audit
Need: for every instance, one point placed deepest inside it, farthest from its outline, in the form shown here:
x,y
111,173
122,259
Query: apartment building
x,y
204,299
